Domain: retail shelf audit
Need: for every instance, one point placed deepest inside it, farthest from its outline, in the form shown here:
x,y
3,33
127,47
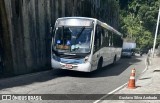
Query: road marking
x,y
97,101
145,69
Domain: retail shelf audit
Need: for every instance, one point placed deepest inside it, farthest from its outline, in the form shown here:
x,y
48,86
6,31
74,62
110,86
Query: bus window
x,y
117,41
105,38
102,36
110,36
97,41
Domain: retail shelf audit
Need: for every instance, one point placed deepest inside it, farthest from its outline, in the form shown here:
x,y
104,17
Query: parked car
x,y
144,51
126,53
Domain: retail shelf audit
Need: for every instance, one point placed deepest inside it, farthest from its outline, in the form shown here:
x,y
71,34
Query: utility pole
x,y
156,33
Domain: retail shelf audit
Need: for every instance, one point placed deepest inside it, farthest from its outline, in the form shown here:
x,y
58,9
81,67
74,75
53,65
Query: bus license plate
x,y
69,66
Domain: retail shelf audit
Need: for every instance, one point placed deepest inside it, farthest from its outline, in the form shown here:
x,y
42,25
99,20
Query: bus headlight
x,y
86,59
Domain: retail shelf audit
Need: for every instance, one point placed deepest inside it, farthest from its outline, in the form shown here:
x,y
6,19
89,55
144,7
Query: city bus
x,y
84,44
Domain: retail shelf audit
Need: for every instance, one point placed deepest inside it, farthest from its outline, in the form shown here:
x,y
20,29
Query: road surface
x,y
100,81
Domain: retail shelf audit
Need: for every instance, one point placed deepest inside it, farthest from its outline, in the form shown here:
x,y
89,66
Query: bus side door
x,y
97,47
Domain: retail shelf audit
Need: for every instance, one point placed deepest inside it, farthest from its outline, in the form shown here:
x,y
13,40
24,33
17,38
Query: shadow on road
x,y
111,70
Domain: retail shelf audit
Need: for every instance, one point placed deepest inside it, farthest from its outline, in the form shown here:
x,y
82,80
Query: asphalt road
x,y
100,81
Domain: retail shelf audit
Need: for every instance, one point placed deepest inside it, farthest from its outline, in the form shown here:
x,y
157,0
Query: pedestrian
x,y
149,58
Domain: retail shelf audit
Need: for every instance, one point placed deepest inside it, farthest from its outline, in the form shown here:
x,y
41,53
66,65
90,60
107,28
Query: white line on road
x,y
145,69
110,93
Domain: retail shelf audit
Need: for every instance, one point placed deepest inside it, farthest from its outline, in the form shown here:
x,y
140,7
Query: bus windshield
x,y
72,39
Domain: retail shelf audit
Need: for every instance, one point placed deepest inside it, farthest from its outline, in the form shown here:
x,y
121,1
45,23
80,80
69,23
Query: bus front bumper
x,y
84,67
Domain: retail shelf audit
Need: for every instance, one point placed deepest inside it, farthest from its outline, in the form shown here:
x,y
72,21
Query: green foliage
x,y
138,21
145,39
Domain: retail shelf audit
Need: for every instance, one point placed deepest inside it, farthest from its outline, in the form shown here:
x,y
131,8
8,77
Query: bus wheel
x,y
100,62
114,61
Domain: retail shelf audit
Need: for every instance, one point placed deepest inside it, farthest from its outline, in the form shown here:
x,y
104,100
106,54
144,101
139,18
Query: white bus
x,y
84,44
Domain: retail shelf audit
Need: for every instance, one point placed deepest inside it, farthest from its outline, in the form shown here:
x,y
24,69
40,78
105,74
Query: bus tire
x,y
114,61
100,62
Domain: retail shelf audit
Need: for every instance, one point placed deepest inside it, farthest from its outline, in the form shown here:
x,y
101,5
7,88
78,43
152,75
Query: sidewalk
x,y
147,83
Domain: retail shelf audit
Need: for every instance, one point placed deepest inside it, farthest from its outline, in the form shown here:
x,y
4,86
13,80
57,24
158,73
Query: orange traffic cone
x,y
131,83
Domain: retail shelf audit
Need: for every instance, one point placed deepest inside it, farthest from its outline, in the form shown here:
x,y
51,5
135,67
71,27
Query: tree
x,y
138,21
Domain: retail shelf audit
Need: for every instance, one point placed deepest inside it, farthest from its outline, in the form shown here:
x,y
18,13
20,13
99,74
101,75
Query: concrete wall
x,y
25,24
5,45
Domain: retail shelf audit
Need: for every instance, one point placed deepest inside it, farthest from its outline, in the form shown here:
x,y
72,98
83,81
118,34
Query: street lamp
x,y
156,33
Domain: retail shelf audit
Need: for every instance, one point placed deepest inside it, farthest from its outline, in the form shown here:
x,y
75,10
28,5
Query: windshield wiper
x,y
79,34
